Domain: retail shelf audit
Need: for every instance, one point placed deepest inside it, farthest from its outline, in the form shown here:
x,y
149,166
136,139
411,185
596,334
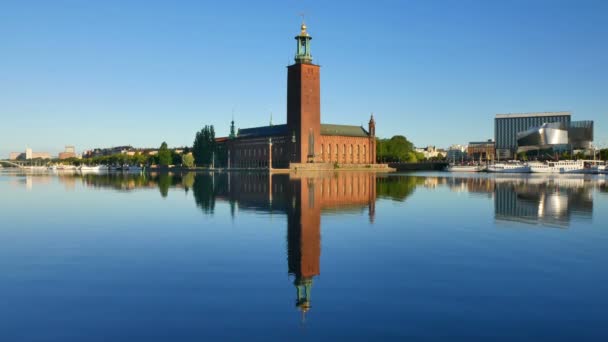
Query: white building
x,y
457,152
429,151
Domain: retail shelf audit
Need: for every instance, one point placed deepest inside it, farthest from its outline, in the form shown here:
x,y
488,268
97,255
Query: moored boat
x,y
564,166
97,168
465,168
511,167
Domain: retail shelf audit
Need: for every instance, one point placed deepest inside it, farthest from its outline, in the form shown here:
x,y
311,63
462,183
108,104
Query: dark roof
x,y
344,130
264,131
281,130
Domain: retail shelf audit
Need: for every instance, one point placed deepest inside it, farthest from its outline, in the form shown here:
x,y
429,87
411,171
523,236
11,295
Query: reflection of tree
x,y
164,182
188,181
118,181
204,193
398,188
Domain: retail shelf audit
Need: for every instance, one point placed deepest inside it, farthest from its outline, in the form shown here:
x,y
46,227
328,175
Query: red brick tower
x,y
372,139
303,102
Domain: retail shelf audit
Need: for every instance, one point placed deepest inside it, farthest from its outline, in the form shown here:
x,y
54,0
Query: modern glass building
x,y
506,127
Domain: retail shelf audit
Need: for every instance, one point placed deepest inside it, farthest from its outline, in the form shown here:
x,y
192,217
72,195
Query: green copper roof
x,y
344,130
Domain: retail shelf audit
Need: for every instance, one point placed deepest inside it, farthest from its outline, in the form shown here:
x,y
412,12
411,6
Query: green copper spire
x,y
303,49
232,132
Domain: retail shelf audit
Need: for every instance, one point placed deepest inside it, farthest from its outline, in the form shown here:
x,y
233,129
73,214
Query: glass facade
x,y
578,135
506,126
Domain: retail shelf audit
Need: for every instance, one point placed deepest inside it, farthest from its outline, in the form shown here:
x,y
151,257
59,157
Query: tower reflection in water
x,y
303,199
539,201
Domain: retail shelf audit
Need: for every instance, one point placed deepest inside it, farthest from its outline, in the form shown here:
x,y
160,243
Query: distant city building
x,y
506,127
100,152
127,150
69,152
482,150
29,154
558,136
457,152
430,152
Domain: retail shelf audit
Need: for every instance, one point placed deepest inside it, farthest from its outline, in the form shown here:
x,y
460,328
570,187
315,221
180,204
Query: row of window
x,y
351,148
257,152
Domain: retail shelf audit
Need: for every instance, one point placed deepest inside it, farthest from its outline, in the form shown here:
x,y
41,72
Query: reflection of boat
x,y
465,168
514,167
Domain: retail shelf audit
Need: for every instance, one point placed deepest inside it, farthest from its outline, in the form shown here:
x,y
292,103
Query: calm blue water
x,y
358,256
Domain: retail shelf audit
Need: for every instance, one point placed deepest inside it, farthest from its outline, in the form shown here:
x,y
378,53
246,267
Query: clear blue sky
x,y
107,73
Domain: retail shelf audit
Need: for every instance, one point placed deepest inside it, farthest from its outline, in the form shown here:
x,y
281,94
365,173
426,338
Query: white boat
x,y
97,168
562,166
466,168
603,169
65,167
513,167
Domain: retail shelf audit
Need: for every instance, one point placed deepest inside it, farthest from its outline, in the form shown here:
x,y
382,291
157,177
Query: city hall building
x,y
303,140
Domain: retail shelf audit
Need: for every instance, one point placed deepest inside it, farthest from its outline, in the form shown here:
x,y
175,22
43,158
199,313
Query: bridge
x,y
13,163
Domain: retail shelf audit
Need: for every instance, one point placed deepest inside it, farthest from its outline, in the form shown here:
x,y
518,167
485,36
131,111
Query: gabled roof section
x,y
344,130
264,131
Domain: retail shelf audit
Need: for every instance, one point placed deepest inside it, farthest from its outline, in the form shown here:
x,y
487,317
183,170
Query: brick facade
x,y
346,150
304,108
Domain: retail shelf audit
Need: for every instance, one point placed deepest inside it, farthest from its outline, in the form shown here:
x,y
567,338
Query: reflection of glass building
x,y
551,203
506,127
575,135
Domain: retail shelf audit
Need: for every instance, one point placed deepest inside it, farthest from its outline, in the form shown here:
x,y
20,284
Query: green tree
x,y
187,160
176,158
522,156
204,146
164,155
396,149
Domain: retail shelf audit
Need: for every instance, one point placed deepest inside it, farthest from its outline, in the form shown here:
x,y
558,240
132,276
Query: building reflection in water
x,y
302,199
549,202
